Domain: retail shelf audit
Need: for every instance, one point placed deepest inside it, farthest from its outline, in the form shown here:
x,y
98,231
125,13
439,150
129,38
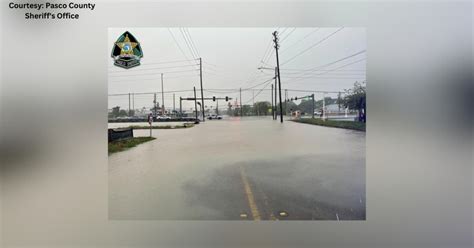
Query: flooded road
x,y
235,169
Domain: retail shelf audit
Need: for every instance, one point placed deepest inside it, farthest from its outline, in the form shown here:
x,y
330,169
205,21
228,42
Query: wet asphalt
x,y
241,169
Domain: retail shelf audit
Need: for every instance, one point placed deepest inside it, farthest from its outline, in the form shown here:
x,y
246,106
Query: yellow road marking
x,y
265,201
250,198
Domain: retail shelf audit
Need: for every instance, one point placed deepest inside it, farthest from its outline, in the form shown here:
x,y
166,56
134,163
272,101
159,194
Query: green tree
x,y
290,105
306,106
122,113
115,112
356,99
262,108
247,110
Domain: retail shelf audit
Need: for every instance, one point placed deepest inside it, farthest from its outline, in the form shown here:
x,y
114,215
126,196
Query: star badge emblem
x,y
126,46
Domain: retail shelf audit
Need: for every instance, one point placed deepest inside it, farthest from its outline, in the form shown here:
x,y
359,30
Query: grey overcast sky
x,y
313,59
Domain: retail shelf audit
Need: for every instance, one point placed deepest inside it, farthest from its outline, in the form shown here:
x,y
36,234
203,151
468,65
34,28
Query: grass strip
x,y
353,125
122,145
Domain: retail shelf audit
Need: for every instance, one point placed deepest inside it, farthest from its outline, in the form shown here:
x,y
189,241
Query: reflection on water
x,y
309,172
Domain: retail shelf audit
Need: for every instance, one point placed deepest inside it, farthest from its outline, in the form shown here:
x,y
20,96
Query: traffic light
x,y
213,98
296,98
226,98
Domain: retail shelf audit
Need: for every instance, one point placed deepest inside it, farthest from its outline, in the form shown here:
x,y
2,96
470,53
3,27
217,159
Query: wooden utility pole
x,y
253,102
275,40
129,104
162,97
195,103
241,107
154,104
202,90
273,109
275,116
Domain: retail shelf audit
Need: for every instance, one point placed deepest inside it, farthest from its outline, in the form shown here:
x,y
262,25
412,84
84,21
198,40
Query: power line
x,y
282,32
266,55
315,69
188,44
312,46
300,70
151,93
315,91
266,81
260,91
357,61
178,45
193,45
298,41
284,38
157,68
218,89
159,63
144,74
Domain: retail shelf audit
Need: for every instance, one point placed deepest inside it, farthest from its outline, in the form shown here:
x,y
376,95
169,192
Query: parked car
x,y
214,117
163,118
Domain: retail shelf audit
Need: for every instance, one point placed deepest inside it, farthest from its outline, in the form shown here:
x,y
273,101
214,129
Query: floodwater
x,y
234,169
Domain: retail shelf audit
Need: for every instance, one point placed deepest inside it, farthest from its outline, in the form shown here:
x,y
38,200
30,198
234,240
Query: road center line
x,y
250,198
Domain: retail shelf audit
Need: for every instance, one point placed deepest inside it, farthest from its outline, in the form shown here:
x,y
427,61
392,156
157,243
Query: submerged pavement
x,y
233,169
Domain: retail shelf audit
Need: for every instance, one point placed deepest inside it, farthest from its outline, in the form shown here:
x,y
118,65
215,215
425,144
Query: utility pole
x,y
312,99
180,107
324,106
174,109
286,101
217,106
241,107
133,103
195,103
128,104
253,101
273,109
154,104
202,90
162,97
275,116
339,102
275,40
